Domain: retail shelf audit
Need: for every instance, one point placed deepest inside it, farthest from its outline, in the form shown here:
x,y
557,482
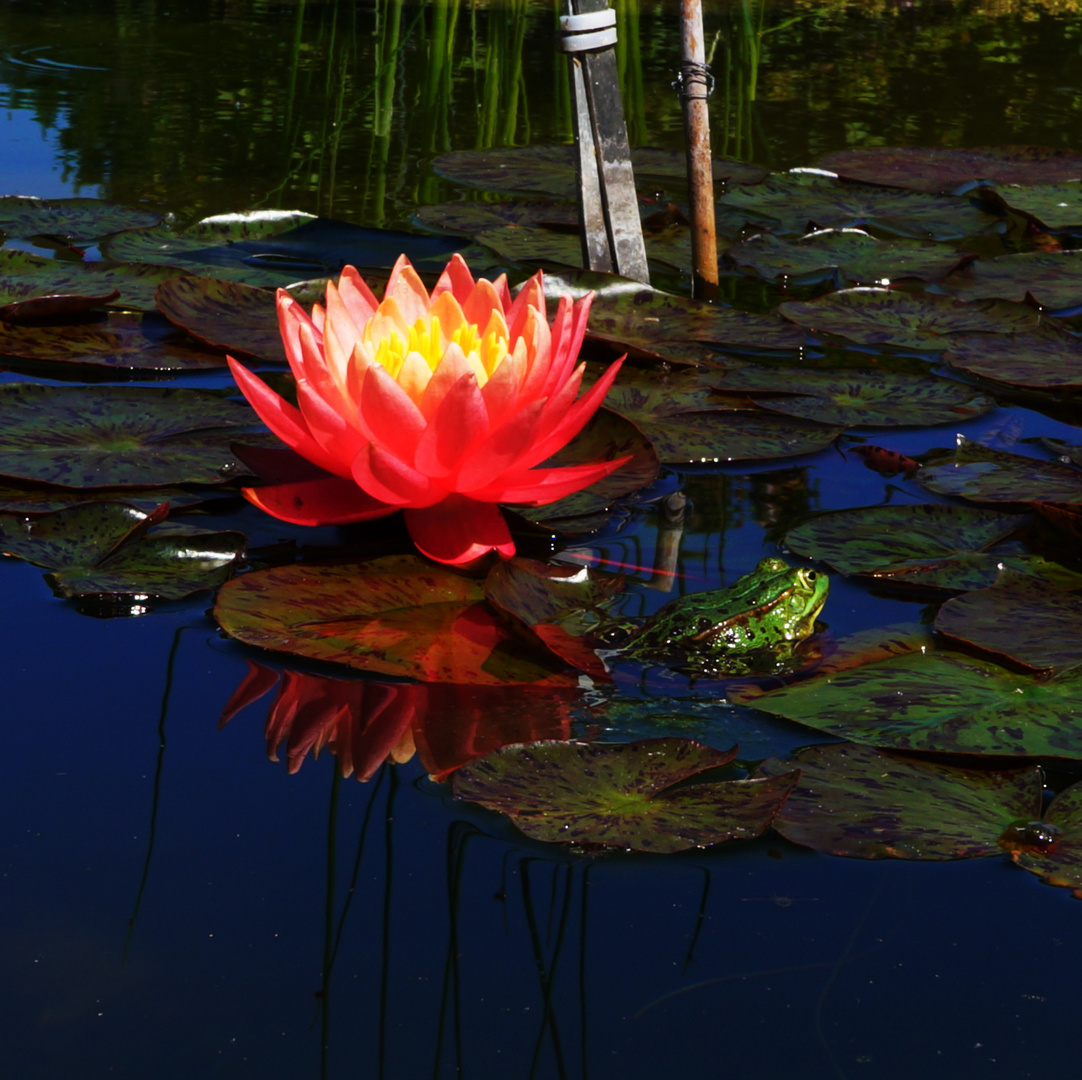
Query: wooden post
x,y
608,206
695,86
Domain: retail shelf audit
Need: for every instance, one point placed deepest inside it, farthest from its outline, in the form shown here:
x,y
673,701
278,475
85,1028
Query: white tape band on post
x,y
584,33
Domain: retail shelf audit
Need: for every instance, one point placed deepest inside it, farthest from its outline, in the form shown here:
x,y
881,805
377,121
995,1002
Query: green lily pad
x,y
1032,621
132,342
936,701
1054,207
397,616
550,170
851,256
469,219
1044,359
102,549
1052,278
24,276
930,169
872,316
873,539
119,436
226,315
798,203
78,221
855,801
42,500
622,795
1054,847
985,475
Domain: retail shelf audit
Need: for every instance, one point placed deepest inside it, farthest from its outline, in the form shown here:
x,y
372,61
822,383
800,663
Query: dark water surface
x,y
174,905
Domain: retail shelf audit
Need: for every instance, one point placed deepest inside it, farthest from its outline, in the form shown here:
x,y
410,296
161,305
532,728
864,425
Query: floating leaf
x,y
1045,359
985,475
397,616
622,795
924,322
1054,848
37,500
937,701
872,539
1052,278
78,221
855,801
1032,621
119,436
929,169
1053,207
123,341
226,315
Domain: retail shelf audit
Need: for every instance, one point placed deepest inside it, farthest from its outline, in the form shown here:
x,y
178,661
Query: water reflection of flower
x,y
442,406
365,723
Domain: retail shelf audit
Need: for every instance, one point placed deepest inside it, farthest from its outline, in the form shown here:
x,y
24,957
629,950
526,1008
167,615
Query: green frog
x,y
751,628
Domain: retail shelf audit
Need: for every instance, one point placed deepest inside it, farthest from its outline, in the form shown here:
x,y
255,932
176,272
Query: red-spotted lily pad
x,y
622,795
126,341
985,475
103,549
930,169
908,543
1052,278
33,287
226,315
937,701
119,436
925,322
798,203
851,256
78,221
855,801
395,616
1045,359
1032,621
1051,848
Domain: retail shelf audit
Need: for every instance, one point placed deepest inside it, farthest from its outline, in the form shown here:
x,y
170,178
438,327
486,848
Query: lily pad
x,y
125,341
872,316
931,169
1052,278
78,221
1056,857
985,475
1044,359
226,315
622,795
936,701
796,203
396,616
873,539
1032,621
855,801
1054,207
118,436
102,549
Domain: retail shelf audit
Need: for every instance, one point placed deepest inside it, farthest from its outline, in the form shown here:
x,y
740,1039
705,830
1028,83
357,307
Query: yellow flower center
x,y
428,340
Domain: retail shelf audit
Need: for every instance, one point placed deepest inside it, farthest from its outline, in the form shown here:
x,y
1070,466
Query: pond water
x,y
176,904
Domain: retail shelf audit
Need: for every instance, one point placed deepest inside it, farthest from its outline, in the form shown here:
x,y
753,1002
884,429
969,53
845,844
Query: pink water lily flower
x,y
441,406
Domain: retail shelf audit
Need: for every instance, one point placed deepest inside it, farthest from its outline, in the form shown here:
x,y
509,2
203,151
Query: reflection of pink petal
x,y
459,530
253,686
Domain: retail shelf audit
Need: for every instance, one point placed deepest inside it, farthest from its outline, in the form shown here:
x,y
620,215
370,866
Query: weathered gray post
x,y
609,210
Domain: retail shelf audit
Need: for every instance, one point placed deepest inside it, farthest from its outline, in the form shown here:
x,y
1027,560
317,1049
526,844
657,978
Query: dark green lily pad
x,y
984,475
855,801
1052,278
226,315
797,203
78,221
102,549
132,342
471,218
1056,856
1054,207
621,795
119,436
397,616
873,539
936,701
1045,359
1032,621
851,256
550,170
42,500
872,316
24,276
931,169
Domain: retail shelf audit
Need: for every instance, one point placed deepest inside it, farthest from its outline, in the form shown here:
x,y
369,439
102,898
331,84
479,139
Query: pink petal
x,y
356,296
459,531
328,500
408,289
535,487
482,302
501,450
291,317
387,415
257,681
449,371
338,439
455,279
532,294
391,480
503,389
460,422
